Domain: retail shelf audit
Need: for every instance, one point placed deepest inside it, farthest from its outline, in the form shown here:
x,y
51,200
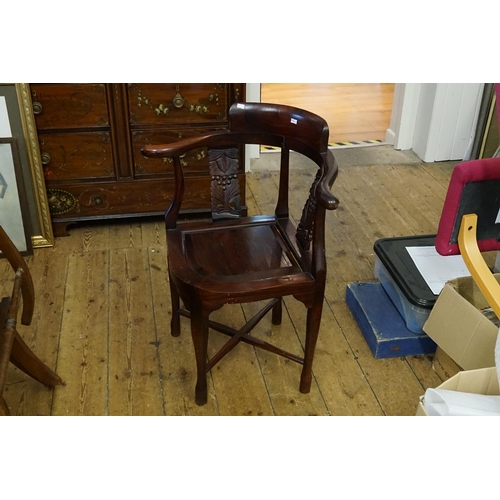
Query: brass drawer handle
x,y
178,100
37,108
96,200
45,158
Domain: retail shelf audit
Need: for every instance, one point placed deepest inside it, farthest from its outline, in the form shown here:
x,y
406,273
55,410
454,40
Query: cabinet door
x,y
69,106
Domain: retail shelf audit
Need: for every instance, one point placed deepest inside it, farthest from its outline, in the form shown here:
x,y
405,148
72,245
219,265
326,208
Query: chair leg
x,y
175,322
312,330
24,358
199,332
277,312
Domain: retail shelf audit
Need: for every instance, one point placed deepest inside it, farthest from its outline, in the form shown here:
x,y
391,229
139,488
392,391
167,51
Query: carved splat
x,y
225,188
305,228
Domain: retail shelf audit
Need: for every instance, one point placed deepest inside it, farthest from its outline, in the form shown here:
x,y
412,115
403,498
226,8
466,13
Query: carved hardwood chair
x,y
12,346
234,259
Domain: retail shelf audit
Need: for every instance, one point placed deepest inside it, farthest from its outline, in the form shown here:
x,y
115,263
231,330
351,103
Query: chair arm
x,y
323,194
182,146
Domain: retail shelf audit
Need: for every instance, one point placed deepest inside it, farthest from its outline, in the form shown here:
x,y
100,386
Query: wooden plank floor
x,y
102,312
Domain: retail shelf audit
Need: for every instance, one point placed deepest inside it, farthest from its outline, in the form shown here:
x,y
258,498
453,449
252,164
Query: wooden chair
x,y
233,259
12,346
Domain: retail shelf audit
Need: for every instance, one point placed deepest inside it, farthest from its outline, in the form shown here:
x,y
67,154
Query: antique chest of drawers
x,y
90,138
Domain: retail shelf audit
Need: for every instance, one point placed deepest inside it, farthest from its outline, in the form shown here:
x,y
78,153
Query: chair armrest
x,y
182,146
323,193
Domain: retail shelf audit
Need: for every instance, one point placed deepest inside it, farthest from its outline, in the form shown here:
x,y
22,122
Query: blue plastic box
x,y
382,326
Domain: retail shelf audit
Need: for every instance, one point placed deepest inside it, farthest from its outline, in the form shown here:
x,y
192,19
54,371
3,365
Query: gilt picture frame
x,y
13,202
23,128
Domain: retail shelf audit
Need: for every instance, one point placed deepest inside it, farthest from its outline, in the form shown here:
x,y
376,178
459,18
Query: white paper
x,y
11,218
437,269
4,119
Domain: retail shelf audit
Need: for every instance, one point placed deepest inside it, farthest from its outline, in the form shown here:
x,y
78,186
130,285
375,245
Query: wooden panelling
x,y
353,111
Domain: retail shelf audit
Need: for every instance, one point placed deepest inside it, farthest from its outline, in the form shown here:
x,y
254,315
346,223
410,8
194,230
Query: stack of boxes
x,y
400,316
391,313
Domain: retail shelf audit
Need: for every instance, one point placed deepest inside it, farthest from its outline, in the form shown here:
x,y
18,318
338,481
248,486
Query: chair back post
x,y
318,263
282,208
173,210
17,262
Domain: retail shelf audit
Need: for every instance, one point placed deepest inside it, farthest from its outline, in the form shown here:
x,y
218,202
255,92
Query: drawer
x,y
110,200
162,103
194,161
69,105
81,155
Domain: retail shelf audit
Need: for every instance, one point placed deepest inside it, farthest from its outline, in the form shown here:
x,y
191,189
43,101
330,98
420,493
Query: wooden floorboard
x,y
103,311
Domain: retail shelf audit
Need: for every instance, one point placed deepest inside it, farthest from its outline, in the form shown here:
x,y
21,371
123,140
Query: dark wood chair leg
x,y
313,323
22,357
199,332
277,313
175,322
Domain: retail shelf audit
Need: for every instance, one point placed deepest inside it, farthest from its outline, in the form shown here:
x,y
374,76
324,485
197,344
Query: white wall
x,y
437,120
423,131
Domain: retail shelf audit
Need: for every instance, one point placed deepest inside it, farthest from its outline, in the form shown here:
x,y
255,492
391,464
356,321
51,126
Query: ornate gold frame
x,y
46,236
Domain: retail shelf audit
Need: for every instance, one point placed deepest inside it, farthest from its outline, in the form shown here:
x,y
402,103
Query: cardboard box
x,y
483,381
444,366
459,328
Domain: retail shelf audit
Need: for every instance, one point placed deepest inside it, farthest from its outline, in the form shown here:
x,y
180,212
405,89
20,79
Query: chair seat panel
x,y
236,257
249,257
240,251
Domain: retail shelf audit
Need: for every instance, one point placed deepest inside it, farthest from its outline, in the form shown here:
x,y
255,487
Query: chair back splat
x,y
236,258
